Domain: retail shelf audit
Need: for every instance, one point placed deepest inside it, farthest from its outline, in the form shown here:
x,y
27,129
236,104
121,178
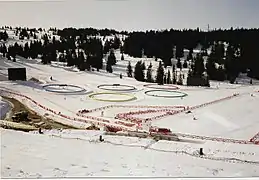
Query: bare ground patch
x,y
33,118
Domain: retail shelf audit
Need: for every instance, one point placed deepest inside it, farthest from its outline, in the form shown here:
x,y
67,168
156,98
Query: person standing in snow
x,y
102,113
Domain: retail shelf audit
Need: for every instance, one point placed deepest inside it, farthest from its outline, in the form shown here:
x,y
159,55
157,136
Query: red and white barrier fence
x,y
214,139
255,138
90,119
119,127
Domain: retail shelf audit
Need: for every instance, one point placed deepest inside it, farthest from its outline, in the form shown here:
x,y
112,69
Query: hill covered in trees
x,y
230,51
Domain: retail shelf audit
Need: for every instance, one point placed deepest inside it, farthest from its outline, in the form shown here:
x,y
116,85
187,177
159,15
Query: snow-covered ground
x,y
78,153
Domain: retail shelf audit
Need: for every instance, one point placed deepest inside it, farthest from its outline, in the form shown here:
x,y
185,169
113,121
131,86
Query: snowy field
x,y
68,154
221,111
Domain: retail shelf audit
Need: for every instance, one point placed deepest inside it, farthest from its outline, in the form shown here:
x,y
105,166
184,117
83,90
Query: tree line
x,y
84,49
241,54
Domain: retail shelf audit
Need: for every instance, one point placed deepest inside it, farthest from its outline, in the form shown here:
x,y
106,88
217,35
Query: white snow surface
x,y
80,154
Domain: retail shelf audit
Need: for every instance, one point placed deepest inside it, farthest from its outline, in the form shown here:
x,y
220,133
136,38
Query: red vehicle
x,y
160,130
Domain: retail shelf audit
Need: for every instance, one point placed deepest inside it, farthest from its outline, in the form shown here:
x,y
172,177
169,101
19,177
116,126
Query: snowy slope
x,y
34,155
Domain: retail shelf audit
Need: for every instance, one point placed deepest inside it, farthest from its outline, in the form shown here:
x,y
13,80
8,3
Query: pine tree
x,y
3,35
121,49
179,64
199,66
109,65
168,80
61,58
44,58
160,74
231,64
122,57
189,56
69,58
149,73
179,51
185,65
106,47
210,65
35,36
173,68
143,66
88,64
174,78
138,72
220,53
4,50
81,61
109,68
129,70
26,50
116,43
112,58
180,80
164,79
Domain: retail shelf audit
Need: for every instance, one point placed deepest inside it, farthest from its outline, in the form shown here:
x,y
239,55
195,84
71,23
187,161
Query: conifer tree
x,y
129,70
149,73
88,64
160,74
185,64
26,50
180,80
174,78
179,51
109,68
138,72
173,68
109,65
179,64
199,65
231,64
4,50
116,43
112,58
81,61
189,56
164,79
143,66
168,80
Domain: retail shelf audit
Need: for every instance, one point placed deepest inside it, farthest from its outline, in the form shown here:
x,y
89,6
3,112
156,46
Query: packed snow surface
x,y
80,154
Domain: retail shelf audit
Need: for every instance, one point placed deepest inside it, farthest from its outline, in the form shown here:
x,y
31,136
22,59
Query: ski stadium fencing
x,y
255,139
126,87
119,127
181,94
48,88
130,97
